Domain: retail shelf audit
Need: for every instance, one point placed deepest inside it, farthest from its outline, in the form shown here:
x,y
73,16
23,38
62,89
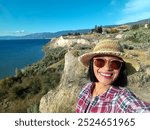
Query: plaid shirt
x,y
115,100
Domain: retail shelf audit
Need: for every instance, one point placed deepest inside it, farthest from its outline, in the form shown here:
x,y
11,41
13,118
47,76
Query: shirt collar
x,y
110,92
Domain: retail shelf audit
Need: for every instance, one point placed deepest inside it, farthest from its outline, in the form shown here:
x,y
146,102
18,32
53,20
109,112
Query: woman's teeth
x,y
104,74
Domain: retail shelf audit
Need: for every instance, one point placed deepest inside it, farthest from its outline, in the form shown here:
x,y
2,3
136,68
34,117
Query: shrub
x,y
113,30
97,29
77,34
33,108
134,27
148,25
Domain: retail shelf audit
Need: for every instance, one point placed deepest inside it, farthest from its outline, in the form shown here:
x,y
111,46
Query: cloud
x,y
14,33
20,32
136,6
135,10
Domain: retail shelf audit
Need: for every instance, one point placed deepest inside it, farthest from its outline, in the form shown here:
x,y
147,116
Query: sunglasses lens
x,y
99,63
115,64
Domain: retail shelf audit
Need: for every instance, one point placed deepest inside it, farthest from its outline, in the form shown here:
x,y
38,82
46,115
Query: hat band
x,y
107,49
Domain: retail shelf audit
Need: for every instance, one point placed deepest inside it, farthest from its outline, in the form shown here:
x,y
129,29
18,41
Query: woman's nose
x,y
107,66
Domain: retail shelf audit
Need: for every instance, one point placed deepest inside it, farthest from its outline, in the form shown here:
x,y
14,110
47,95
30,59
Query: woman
x,y
108,67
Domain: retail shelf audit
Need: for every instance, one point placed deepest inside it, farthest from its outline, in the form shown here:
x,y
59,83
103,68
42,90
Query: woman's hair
x,y
120,81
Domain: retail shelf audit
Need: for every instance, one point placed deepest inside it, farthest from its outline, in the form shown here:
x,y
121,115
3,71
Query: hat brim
x,y
132,65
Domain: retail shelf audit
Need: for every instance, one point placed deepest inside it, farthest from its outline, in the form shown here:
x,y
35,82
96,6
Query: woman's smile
x,y
106,75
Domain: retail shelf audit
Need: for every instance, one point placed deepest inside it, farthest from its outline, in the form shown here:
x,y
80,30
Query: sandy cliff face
x,y
68,42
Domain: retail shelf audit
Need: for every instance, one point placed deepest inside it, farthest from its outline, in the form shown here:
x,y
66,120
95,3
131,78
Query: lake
x,y
19,53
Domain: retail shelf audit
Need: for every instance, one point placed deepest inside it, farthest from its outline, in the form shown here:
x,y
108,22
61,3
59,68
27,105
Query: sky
x,y
22,17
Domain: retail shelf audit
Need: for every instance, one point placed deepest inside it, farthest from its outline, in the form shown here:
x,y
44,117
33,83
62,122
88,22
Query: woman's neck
x,y
99,89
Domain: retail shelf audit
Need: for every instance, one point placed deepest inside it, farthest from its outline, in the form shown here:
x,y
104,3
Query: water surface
x,y
18,54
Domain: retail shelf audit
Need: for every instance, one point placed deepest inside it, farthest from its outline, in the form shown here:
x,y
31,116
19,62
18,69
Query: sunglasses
x,y
113,64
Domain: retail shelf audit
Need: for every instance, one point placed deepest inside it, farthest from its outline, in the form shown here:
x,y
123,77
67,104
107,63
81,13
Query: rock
x,y
63,99
68,42
46,101
119,36
147,70
146,25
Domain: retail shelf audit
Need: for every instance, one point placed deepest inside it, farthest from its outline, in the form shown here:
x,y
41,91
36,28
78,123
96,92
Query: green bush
x,y
33,109
97,29
134,27
138,36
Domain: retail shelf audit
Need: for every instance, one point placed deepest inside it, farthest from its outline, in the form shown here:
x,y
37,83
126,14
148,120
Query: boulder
x,y
63,99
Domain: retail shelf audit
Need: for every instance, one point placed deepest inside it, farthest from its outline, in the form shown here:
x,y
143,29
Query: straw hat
x,y
113,48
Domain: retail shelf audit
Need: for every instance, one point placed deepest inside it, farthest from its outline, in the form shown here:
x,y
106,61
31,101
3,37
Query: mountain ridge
x,y
49,35
44,35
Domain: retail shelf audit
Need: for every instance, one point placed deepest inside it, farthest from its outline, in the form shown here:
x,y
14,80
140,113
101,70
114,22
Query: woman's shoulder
x,y
122,90
124,93
128,102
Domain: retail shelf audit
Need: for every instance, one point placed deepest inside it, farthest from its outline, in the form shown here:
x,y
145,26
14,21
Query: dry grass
x,y
142,55
20,106
139,82
63,101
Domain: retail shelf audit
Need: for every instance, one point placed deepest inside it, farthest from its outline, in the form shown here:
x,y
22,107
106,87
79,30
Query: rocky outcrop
x,y
63,99
62,42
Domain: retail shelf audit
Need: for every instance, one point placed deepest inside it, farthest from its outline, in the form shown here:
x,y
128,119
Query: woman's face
x,y
106,69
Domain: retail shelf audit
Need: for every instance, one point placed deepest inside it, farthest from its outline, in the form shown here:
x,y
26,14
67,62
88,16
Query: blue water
x,y
18,54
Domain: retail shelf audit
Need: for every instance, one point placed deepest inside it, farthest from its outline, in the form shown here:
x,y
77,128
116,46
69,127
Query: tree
x,y
97,29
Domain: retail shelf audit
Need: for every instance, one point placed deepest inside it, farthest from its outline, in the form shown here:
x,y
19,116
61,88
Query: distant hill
x,y
131,23
48,35
139,22
44,35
